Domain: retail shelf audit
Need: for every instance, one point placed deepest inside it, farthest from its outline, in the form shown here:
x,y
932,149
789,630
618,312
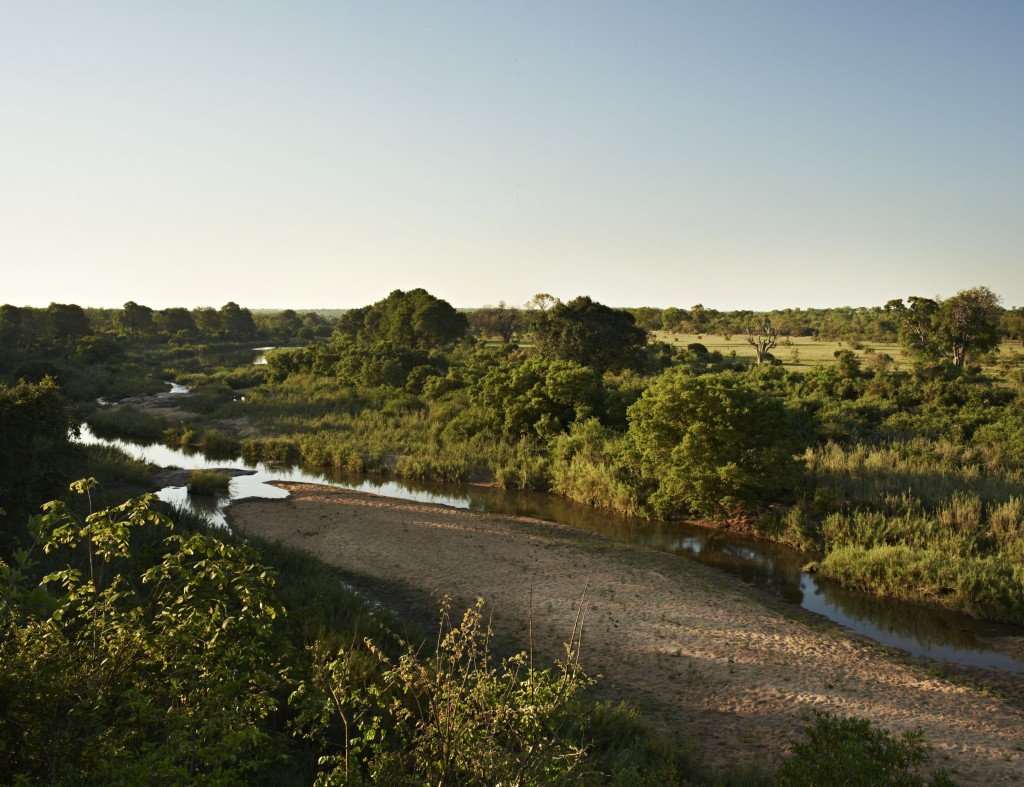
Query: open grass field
x,y
799,353
796,353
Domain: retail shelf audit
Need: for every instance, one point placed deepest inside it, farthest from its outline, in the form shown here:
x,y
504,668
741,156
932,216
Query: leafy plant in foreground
x,y
450,717
102,682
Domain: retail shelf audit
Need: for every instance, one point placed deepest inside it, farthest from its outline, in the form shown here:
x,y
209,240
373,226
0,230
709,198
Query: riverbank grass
x,y
208,482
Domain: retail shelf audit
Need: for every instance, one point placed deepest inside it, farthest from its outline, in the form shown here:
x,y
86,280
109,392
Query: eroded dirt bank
x,y
700,653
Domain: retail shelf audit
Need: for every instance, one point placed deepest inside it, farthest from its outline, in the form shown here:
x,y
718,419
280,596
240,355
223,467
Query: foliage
x,y
957,328
415,320
95,670
502,321
208,482
35,427
452,717
712,445
852,753
536,396
590,334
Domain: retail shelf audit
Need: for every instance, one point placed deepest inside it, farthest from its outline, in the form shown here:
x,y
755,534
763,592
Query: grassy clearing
x,y
797,353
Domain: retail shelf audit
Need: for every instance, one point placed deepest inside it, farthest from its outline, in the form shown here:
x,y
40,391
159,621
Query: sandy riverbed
x,y
701,653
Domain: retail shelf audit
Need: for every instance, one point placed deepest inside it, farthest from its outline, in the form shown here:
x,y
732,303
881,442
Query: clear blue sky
x,y
741,154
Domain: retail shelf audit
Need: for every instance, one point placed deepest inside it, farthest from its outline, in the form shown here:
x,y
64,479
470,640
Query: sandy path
x,y
702,654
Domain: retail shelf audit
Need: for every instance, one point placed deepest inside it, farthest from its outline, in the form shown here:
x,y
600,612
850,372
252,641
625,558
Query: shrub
x,y
710,445
852,753
452,716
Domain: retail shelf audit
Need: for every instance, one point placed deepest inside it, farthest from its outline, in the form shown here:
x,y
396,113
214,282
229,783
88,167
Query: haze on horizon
x,y
316,154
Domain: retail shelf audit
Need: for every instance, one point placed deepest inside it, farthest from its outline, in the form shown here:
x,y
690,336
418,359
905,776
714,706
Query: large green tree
x,y
174,320
68,322
712,446
537,396
969,324
591,334
135,320
955,329
415,319
236,322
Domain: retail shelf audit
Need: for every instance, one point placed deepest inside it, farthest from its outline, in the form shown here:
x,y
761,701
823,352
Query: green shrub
x,y
851,753
452,716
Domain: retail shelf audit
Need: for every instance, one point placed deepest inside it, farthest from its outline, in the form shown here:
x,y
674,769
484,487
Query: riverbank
x,y
702,654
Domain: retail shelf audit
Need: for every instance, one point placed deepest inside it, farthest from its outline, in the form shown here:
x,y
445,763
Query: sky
x,y
742,154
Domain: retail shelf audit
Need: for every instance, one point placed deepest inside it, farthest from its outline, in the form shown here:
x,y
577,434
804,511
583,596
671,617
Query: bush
x,y
850,752
452,716
711,445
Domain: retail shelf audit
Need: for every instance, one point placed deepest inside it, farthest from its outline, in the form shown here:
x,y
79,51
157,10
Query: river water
x,y
919,630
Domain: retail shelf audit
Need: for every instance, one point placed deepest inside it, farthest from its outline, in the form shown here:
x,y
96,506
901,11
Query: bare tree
x,y
762,336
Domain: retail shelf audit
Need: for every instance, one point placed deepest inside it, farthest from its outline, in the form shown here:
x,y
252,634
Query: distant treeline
x,y
68,325
64,325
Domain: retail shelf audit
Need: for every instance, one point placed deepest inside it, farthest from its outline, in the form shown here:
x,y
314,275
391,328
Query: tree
x,y
916,325
68,322
237,322
207,321
1012,325
590,334
175,320
968,324
12,333
500,320
762,336
285,324
414,319
135,320
111,675
954,329
672,318
710,445
537,396
35,430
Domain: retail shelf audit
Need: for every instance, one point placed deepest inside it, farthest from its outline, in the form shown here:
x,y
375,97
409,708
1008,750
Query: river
x,y
916,629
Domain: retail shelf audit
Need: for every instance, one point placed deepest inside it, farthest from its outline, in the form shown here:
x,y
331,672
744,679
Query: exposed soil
x,y
703,655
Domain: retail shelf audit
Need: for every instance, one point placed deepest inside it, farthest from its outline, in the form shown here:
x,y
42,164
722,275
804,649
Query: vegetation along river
x,y
918,630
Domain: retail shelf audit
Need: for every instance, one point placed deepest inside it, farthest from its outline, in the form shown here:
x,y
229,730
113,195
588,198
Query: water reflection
x,y
922,631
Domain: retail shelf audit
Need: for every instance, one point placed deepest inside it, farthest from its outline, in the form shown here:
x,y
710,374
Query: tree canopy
x,y
414,319
711,445
955,329
590,334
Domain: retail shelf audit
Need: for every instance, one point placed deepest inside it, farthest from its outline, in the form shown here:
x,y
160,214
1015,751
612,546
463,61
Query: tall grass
x,y
127,422
924,521
208,482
